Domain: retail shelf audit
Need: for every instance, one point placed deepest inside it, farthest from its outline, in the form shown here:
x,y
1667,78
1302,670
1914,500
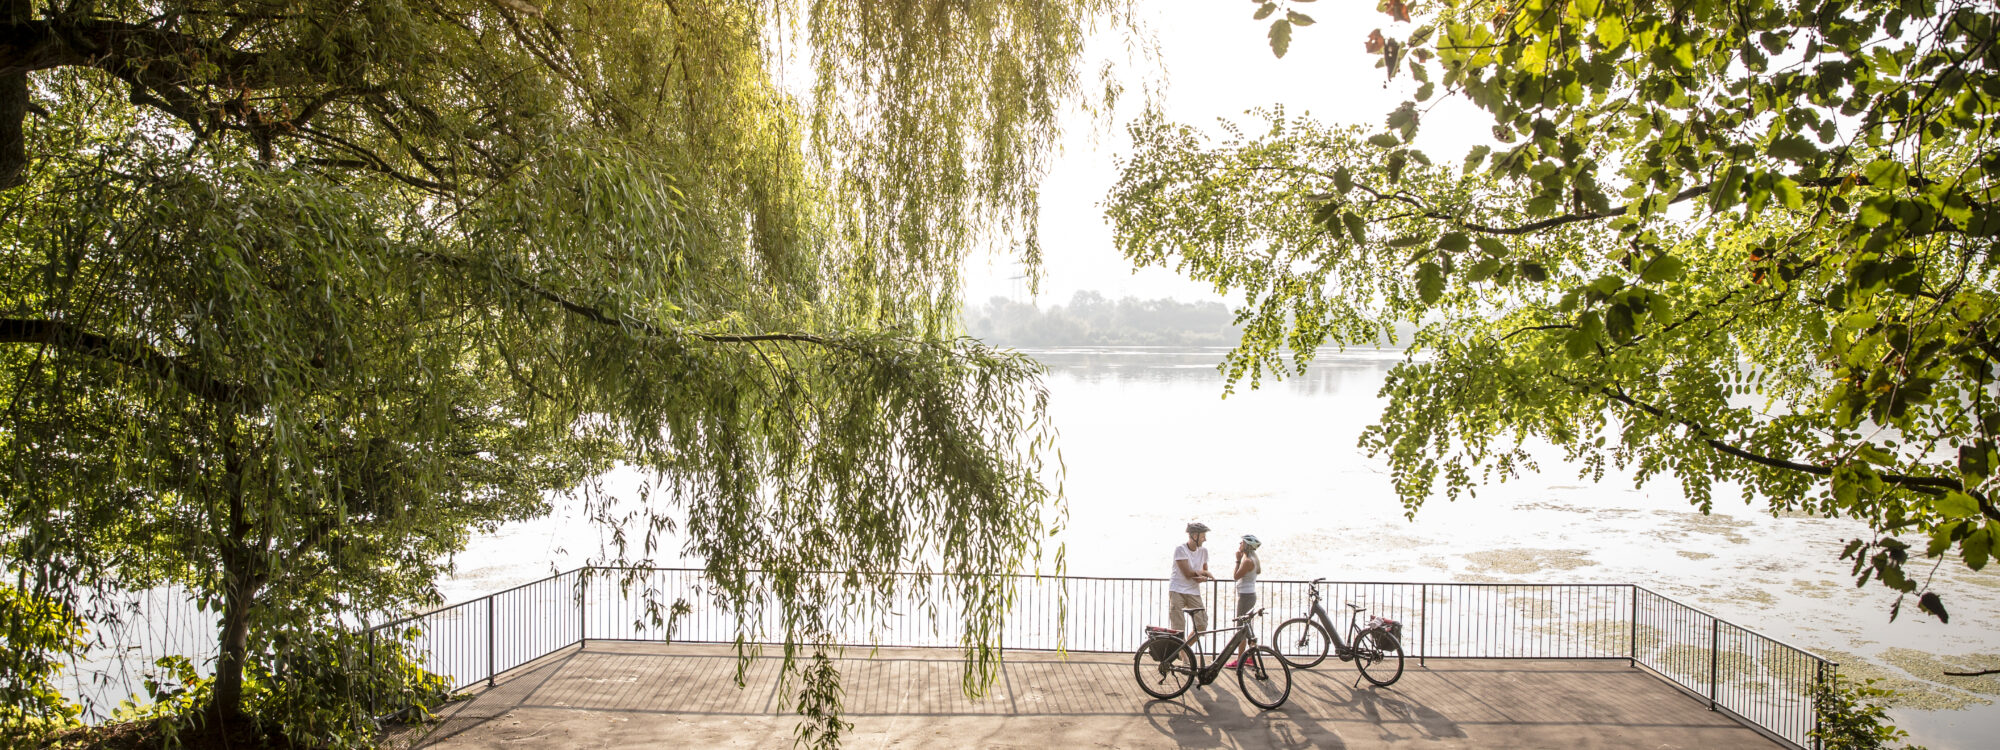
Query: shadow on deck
x,y
613,694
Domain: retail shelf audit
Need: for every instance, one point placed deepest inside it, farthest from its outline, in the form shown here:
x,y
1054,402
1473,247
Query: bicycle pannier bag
x,y
1162,648
1391,627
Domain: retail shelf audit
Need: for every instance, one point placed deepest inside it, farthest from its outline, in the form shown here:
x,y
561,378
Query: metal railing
x,y
1766,684
476,641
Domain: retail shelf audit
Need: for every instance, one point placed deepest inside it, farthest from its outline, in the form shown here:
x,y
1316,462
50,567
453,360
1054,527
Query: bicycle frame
x,y
1262,673
1213,669
1340,647
1207,672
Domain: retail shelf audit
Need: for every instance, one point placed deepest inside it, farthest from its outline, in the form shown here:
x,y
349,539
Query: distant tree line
x,y
1091,320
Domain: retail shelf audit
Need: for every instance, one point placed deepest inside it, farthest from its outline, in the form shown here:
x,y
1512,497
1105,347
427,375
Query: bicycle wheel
x,y
1164,679
1302,643
1265,677
1379,656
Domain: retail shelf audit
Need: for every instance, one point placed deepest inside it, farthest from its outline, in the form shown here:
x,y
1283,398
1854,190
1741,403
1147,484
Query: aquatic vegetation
x,y
1523,561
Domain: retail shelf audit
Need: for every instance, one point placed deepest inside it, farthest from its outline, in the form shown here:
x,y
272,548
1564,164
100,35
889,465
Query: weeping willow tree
x,y
295,295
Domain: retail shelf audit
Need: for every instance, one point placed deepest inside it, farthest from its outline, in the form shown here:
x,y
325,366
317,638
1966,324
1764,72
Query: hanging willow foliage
x,y
295,295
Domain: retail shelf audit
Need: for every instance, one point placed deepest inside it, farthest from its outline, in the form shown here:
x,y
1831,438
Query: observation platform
x,y
611,694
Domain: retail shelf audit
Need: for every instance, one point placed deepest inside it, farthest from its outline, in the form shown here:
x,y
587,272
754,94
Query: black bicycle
x,y
1167,664
1376,648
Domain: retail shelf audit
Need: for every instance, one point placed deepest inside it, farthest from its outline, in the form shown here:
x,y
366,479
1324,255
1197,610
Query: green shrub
x,y
37,634
314,690
1856,717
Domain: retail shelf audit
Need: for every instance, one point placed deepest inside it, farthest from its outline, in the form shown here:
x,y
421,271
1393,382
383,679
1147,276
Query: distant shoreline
x,y
1092,320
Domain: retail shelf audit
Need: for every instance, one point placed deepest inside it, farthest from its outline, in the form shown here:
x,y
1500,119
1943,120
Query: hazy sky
x,y
1218,64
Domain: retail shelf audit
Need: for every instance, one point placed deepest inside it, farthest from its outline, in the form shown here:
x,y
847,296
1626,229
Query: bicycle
x,y
1167,664
1376,649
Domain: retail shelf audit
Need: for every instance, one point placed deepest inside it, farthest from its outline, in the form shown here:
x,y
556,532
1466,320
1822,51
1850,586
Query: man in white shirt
x,y
1184,585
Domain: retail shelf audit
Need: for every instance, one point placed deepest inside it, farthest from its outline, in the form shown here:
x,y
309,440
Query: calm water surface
x,y
1150,443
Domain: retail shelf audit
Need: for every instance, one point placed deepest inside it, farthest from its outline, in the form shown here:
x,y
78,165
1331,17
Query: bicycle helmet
x,y
1197,528
1251,539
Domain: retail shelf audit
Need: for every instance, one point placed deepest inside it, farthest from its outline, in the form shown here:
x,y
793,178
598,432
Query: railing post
x,y
582,607
1423,622
1714,654
489,640
1634,642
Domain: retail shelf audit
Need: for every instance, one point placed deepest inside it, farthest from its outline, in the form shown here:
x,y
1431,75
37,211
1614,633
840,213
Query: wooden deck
x,y
631,695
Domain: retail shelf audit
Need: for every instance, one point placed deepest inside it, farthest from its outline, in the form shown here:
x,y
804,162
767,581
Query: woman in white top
x,y
1247,568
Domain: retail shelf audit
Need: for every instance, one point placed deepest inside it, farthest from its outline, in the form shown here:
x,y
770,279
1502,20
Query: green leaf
x,y
1930,604
1384,140
1343,180
1454,242
1977,546
1264,11
1604,285
1582,340
1430,282
1485,269
1610,31
1957,504
1663,268
1298,19
1408,240
1886,174
1792,148
1356,228
1618,323
1788,193
1477,155
1941,539
1328,215
1533,271
1975,461
1875,455
1281,37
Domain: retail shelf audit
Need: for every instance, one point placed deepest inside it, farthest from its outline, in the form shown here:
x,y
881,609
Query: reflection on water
x,y
1330,373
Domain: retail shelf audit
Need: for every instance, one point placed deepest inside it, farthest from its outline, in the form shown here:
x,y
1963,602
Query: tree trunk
x,y
242,576
240,589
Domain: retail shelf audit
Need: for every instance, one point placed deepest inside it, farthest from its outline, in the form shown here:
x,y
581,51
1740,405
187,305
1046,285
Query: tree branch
x,y
130,353
1927,485
602,317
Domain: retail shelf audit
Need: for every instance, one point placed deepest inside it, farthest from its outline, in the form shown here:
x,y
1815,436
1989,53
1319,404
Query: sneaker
x,y
1233,664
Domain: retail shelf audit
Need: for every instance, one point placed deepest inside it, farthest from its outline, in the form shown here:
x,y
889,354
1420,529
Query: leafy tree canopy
x,y
1746,242
296,294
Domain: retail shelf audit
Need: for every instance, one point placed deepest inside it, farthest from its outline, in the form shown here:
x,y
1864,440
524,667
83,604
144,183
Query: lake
x,y
1150,444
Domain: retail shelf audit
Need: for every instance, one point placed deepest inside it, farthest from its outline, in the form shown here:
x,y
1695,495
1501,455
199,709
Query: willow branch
x,y
129,353
602,317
